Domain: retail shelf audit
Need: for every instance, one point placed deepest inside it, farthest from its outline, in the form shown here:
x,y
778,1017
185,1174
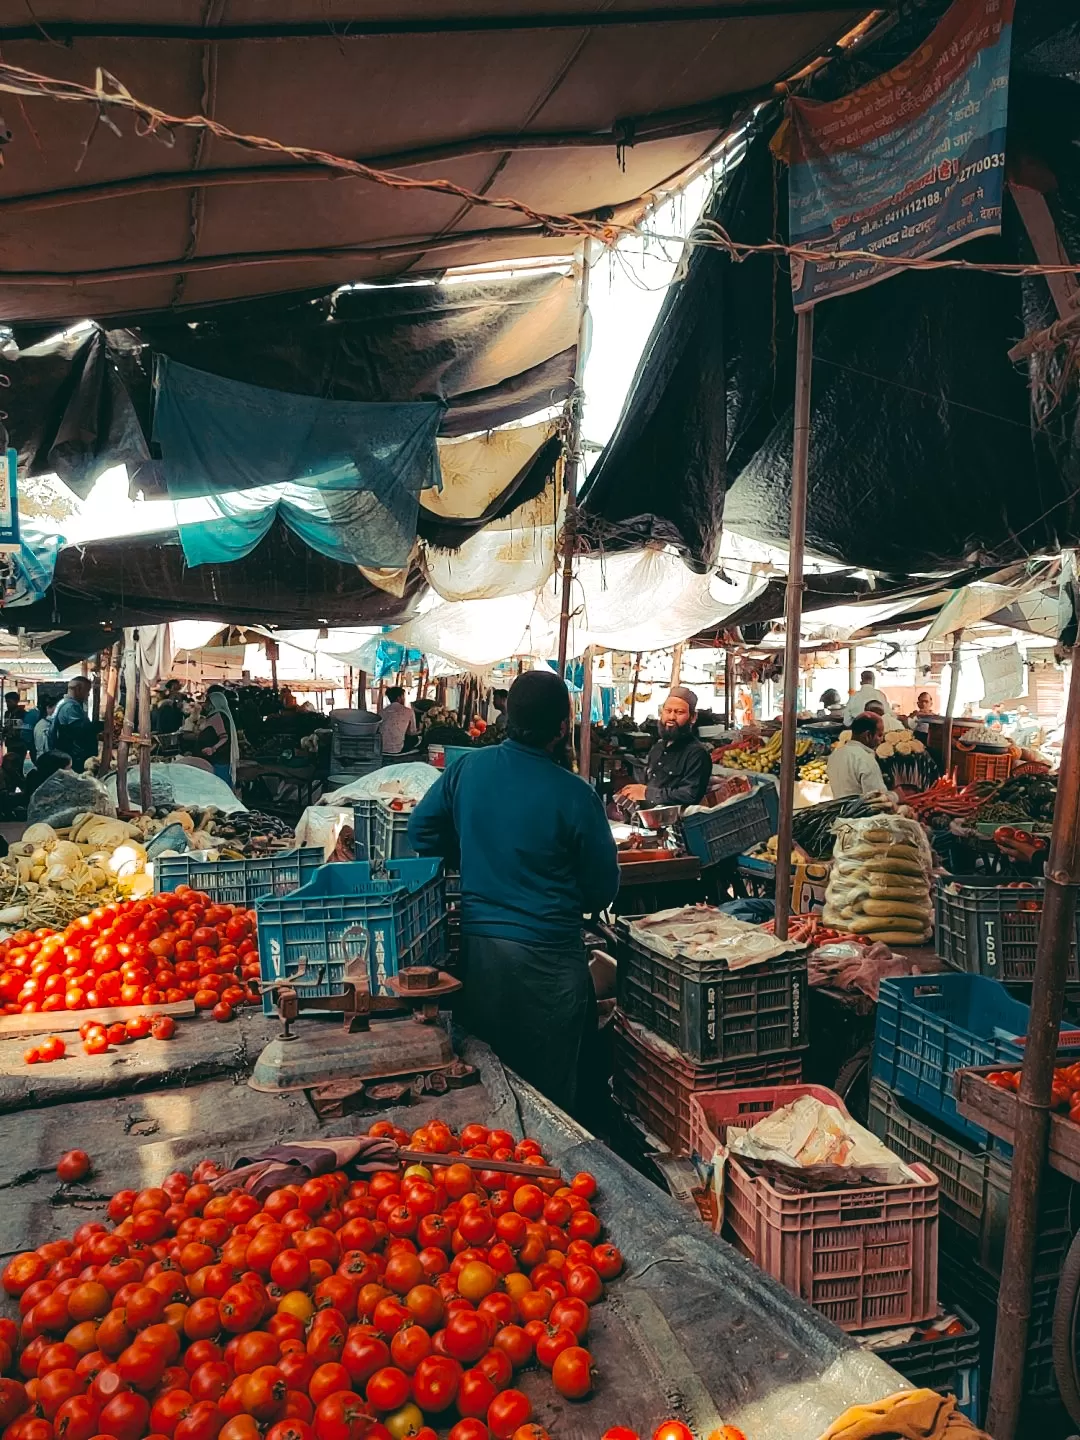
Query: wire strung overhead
x,y
108,94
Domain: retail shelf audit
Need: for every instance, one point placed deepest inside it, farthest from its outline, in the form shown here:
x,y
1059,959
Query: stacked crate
x,y
684,1026
928,1027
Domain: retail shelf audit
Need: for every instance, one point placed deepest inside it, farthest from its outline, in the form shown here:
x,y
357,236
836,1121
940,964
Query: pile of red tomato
x,y
1064,1091
334,1310
163,949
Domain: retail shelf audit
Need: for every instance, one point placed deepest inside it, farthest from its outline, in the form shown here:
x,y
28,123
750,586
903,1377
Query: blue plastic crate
x,y
929,1026
392,913
240,882
725,830
380,833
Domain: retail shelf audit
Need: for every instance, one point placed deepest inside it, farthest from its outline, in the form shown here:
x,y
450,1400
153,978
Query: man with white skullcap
x,y
679,765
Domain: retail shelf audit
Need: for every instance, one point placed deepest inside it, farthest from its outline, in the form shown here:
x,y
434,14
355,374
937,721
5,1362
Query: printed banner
x,y
908,166
9,505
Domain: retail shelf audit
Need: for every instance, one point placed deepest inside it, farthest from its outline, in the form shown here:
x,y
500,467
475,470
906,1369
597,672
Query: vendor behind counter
x,y
679,766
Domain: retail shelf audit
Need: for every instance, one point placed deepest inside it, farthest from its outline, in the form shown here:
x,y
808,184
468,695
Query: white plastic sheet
x,y
511,556
642,601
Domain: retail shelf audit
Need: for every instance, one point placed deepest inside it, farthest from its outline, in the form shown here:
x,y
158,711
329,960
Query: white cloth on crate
x,y
853,770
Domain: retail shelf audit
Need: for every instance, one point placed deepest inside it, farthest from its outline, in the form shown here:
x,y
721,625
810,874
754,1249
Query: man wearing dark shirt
x,y
679,765
536,854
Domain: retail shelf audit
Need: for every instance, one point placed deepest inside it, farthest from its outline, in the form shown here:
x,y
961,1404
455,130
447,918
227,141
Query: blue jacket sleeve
x,y
431,825
598,860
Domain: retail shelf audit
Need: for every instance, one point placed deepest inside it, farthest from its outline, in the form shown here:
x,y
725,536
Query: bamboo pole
x,y
796,547
573,459
1056,934
112,680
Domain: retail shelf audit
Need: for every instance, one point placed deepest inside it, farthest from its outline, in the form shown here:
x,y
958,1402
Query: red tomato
x,y
342,1416
163,1027
475,1394
507,1412
572,1373
673,1430
584,1283
571,1314
468,1335
435,1384
125,1416
607,1261
620,1432
470,1430
388,1389
363,1354
73,1165
551,1345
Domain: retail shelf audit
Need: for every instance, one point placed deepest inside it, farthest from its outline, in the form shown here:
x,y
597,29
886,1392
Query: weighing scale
x,y
374,1041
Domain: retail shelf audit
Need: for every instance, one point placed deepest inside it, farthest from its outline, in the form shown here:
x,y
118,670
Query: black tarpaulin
x,y
494,350
145,580
923,453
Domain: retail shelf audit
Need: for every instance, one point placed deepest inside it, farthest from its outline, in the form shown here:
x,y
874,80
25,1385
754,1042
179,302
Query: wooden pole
x,y
676,665
95,690
852,653
793,612
361,690
729,699
585,748
1057,932
637,677
146,798
112,679
954,681
272,656
123,800
573,459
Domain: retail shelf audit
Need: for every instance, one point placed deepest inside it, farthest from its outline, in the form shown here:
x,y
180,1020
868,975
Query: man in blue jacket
x,y
536,854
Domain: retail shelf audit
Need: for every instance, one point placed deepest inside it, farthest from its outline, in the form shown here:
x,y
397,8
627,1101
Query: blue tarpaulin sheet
x,y
345,476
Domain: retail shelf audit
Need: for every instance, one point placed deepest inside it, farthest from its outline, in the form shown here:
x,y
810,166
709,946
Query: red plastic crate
x,y
975,766
655,1083
865,1257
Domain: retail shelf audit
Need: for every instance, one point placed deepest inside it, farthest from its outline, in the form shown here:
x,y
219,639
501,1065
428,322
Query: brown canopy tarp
x,y
579,107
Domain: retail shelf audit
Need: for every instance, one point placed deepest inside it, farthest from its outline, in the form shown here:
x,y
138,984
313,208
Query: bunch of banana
x,y
816,771
765,761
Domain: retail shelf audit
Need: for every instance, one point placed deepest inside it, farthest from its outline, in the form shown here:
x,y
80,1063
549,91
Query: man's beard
x,y
672,731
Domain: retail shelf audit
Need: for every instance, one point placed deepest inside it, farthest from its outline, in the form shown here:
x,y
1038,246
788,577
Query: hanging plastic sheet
x,y
33,566
354,471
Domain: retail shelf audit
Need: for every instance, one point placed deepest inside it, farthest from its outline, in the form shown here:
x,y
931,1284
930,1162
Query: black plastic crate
x,y
962,1169
971,1286
988,928
949,1364
708,1012
726,830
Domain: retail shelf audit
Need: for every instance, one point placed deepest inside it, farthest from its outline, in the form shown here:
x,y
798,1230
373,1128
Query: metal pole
x,y
1056,933
572,457
800,455
585,748
728,706
954,681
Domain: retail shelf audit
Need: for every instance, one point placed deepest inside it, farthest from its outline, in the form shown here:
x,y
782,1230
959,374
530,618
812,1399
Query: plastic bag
x,y
64,795
808,1134
409,781
179,785
879,884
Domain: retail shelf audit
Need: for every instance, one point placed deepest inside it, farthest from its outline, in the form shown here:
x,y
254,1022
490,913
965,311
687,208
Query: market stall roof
x,y
953,469
568,107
